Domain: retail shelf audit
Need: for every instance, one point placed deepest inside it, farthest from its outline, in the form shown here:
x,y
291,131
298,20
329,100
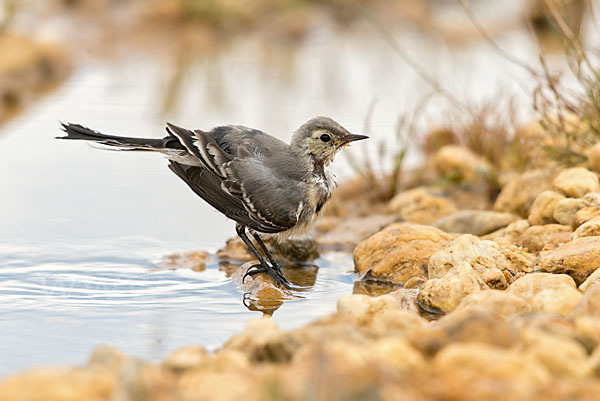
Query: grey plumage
x,y
257,180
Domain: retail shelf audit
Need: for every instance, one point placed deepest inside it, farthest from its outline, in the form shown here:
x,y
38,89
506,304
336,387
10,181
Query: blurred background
x,y
83,232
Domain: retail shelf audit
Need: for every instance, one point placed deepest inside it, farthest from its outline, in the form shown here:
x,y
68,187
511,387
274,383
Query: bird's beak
x,y
343,141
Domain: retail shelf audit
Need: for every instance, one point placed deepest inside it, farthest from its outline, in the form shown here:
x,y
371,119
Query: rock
x,y
578,258
59,385
482,256
561,301
542,210
592,279
576,182
350,231
562,356
588,229
466,325
187,357
398,252
477,372
360,309
509,234
107,356
549,236
594,362
235,251
587,331
585,214
591,199
291,250
459,163
594,158
195,260
546,292
397,353
590,303
442,295
419,205
260,341
476,222
531,284
565,209
396,323
499,302
519,193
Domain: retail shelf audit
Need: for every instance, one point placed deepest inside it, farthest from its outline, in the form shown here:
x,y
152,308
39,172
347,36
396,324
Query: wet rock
x,y
549,236
466,325
590,303
482,256
585,214
195,260
542,210
588,229
60,385
519,193
292,250
350,231
509,234
421,206
502,303
398,252
562,356
188,357
576,182
445,293
476,222
565,209
592,279
472,368
578,258
459,164
374,288
361,309
235,251
554,293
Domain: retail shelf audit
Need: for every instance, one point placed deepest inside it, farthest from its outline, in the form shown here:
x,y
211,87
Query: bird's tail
x,y
79,132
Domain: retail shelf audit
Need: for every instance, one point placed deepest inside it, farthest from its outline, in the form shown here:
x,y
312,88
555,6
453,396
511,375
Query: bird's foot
x,y
273,271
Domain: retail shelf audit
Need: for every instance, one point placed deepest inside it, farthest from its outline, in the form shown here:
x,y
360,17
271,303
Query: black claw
x,y
258,268
273,271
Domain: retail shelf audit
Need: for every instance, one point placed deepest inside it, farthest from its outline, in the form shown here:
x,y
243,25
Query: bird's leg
x,y
263,266
269,256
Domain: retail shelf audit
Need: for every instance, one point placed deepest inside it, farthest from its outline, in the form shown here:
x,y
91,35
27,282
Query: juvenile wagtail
x,y
267,186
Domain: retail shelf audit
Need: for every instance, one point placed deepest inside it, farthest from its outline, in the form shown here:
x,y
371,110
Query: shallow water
x,y
81,229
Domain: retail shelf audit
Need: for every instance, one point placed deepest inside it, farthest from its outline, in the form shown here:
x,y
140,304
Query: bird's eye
x,y
325,138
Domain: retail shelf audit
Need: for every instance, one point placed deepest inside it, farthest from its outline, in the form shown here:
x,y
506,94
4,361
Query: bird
x,y
268,187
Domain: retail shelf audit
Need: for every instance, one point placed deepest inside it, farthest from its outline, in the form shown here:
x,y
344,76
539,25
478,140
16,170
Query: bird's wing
x,y
272,203
208,186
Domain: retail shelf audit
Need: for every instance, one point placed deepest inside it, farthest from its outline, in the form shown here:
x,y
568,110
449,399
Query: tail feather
x,y
79,132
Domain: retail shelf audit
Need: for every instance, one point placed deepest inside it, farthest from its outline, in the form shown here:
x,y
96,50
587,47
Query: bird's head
x,y
321,138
